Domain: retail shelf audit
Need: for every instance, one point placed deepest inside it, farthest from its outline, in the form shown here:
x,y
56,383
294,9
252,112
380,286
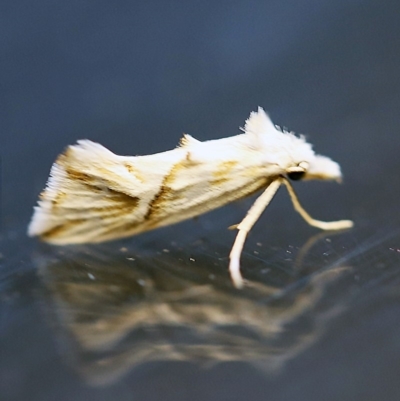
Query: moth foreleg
x,y
245,226
323,225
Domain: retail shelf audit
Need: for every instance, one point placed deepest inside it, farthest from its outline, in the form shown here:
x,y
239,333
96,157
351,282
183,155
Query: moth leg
x,y
245,226
323,225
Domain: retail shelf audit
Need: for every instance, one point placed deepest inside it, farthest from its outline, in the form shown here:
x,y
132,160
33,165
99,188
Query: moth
x,y
94,195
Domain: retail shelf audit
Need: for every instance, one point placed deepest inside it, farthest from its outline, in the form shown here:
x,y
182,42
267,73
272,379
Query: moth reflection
x,y
115,312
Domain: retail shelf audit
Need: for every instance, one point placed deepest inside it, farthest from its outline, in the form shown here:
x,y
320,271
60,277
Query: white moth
x,y
93,195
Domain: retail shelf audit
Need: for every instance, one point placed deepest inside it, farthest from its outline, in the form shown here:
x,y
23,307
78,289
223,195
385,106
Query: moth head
x,y
291,154
316,168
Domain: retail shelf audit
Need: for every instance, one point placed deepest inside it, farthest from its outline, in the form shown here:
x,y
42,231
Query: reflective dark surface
x,y
155,316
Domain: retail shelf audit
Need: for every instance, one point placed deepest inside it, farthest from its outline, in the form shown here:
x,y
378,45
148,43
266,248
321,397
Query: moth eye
x,y
296,175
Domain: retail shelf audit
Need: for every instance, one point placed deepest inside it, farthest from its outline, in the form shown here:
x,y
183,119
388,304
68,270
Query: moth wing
x,y
187,141
211,175
93,195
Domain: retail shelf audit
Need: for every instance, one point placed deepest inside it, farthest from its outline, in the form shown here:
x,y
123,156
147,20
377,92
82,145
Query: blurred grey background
x,y
135,75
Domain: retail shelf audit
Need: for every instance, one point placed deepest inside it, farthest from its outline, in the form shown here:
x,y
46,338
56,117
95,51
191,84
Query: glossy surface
x,y
155,316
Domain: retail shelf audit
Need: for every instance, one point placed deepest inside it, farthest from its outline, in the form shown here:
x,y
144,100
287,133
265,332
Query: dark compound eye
x,y
296,175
